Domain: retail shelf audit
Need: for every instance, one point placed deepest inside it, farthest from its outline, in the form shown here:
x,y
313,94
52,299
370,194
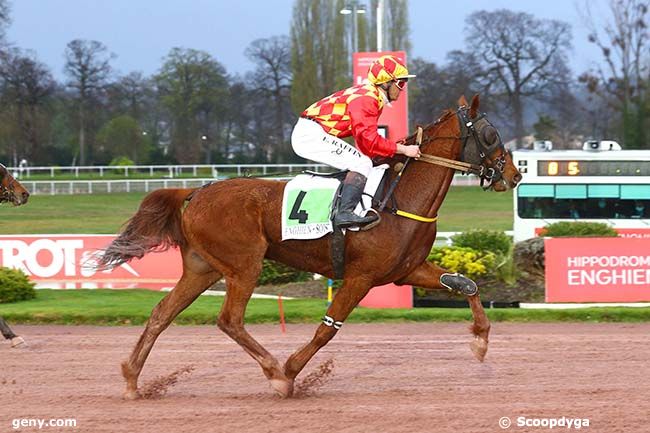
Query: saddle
x,y
310,203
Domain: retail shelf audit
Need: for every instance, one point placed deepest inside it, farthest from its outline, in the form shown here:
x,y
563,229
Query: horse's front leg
x,y
7,333
347,297
433,277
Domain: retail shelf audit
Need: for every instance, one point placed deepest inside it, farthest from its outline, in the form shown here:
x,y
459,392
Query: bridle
x,y
6,191
489,170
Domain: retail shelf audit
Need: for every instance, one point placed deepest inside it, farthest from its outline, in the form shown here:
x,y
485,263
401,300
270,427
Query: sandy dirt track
x,y
386,378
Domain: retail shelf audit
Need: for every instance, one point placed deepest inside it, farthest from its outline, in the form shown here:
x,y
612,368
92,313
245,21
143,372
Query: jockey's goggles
x,y
401,83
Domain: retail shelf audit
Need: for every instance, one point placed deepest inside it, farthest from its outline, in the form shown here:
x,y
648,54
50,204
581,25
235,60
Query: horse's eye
x,y
490,135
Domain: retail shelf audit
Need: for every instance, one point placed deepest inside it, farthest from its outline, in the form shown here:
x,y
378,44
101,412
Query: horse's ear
x,y
462,102
473,109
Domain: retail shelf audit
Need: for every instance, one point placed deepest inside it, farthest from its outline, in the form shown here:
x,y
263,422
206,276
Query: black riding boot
x,y
350,196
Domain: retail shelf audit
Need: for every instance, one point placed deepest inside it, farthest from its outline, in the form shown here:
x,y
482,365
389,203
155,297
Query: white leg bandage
x,y
328,321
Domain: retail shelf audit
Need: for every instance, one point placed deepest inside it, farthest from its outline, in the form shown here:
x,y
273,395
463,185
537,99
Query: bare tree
x,y
624,78
520,55
439,87
5,19
272,78
395,34
193,88
130,94
88,69
27,85
319,56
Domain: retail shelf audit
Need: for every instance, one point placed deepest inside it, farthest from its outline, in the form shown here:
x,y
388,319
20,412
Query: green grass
x,y
73,214
105,213
469,207
132,307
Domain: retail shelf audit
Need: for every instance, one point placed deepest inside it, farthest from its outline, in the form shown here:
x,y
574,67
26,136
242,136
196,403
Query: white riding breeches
x,y
310,141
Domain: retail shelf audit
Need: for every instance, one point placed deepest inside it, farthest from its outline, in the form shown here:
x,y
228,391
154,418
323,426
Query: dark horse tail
x,y
155,227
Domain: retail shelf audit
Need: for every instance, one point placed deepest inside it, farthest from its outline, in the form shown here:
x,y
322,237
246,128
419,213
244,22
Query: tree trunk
x,y
82,136
519,118
279,118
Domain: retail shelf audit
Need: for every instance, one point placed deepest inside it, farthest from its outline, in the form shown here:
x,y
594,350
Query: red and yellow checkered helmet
x,y
387,68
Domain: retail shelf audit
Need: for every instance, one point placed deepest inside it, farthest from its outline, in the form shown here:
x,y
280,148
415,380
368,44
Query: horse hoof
x,y
284,388
131,395
18,342
479,348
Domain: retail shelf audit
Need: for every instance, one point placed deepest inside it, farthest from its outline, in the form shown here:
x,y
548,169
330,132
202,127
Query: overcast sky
x,y
141,32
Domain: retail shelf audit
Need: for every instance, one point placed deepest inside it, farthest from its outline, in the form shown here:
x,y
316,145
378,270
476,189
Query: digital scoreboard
x,y
592,168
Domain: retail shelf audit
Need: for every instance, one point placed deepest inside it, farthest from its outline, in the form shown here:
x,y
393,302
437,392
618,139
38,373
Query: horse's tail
x,y
156,226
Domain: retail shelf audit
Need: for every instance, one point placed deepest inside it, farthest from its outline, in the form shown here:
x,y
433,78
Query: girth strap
x,y
415,217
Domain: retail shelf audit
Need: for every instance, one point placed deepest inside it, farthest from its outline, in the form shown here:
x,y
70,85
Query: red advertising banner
x,y
597,269
395,115
65,262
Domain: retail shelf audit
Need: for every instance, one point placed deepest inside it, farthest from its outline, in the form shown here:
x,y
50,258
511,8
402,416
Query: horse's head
x,y
10,189
482,146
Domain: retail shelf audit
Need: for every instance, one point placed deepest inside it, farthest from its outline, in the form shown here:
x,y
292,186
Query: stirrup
x,y
371,224
353,224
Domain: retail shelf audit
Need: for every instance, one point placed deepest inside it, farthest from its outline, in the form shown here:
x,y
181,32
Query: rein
x,y
465,167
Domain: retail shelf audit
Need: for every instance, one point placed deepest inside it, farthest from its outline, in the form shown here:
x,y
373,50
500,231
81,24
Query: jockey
x,y
353,112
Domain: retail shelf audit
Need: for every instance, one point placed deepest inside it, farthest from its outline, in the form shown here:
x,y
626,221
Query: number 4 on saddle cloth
x,y
308,202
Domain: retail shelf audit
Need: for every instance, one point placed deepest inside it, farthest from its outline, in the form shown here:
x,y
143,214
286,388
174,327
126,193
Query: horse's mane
x,y
436,124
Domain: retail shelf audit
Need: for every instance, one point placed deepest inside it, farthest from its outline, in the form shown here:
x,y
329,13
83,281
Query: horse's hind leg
x,y
231,321
197,277
428,276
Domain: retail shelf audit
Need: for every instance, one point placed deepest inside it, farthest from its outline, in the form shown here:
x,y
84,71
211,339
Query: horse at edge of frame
x,y
13,192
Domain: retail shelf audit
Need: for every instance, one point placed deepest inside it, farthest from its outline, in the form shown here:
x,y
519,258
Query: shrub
x,y
15,286
578,229
121,161
484,240
468,261
278,273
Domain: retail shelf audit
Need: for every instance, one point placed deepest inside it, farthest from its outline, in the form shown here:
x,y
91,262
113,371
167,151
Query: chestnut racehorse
x,y
229,227
11,191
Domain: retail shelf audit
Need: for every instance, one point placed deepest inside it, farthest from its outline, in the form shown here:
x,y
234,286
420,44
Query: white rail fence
x,y
162,176
58,187
167,171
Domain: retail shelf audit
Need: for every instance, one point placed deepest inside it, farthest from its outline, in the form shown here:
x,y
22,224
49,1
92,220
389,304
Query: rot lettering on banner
x,y
395,116
597,269
64,262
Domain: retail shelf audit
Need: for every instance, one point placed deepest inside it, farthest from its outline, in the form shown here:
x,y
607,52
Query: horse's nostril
x,y
517,178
